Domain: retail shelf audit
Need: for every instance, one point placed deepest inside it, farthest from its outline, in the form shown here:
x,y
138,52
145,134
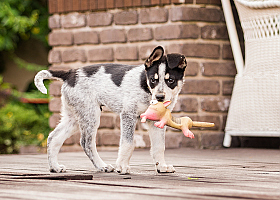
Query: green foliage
x,y
40,30
23,124
25,65
20,20
14,23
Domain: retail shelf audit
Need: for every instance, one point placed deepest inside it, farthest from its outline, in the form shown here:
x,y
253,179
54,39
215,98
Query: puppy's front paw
x,y
58,169
164,168
107,168
123,169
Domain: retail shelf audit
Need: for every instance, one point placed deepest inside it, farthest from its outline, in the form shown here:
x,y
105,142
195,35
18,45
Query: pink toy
x,y
158,111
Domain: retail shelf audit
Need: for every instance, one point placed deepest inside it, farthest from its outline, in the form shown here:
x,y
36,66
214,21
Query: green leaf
x,y
25,65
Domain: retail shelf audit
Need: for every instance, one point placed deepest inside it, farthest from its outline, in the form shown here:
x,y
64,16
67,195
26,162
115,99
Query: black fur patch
x,y
117,72
176,74
151,74
143,82
68,76
90,70
174,60
152,70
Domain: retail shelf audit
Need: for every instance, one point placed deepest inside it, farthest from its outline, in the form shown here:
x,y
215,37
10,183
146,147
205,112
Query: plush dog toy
x,y
158,111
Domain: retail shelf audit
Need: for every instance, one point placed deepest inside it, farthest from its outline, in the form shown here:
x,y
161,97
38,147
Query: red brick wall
x,y
196,29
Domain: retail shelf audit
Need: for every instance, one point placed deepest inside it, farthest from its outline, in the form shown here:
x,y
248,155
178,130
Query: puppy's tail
x,y
39,78
68,76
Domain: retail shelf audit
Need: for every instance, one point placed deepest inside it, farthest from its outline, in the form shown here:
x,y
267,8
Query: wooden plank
x,y
119,3
110,4
164,2
75,5
155,2
52,6
137,3
146,2
84,6
128,3
176,1
120,187
101,4
60,6
68,5
233,173
92,4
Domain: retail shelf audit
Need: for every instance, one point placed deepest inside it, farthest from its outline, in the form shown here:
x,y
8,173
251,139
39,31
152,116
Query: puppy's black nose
x,y
160,97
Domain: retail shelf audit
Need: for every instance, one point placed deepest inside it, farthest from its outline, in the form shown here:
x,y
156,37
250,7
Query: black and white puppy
x,y
124,89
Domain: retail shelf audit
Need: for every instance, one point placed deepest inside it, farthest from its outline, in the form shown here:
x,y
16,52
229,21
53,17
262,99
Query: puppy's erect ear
x,y
155,56
176,60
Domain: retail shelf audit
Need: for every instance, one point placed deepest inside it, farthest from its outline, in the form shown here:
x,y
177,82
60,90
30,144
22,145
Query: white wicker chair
x,y
255,104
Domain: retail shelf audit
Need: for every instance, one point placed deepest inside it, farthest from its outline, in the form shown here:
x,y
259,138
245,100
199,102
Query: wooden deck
x,y
200,174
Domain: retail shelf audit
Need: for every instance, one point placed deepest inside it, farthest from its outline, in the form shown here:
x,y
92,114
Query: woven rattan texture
x,y
255,103
260,3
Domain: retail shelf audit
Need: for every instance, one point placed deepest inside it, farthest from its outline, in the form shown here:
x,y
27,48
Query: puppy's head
x,y
165,74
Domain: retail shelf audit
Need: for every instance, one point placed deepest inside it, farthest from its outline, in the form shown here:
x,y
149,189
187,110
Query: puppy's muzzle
x,y
160,97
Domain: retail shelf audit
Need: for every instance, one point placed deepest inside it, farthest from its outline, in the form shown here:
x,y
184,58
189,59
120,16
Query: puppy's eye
x,y
153,80
170,80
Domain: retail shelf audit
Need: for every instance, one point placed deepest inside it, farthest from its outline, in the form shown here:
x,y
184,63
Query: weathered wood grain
x,y
200,174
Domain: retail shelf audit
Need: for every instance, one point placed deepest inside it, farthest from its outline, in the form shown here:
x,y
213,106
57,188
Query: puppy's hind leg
x,y
67,127
89,122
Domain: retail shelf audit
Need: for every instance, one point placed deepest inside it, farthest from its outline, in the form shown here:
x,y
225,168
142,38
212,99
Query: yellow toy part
x,y
158,111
